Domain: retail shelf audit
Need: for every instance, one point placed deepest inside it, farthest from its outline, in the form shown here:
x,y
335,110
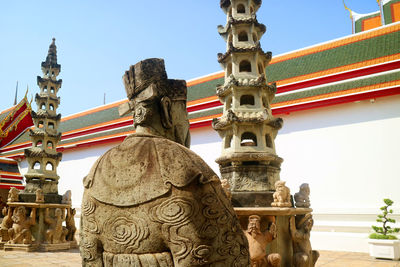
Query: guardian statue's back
x,y
151,201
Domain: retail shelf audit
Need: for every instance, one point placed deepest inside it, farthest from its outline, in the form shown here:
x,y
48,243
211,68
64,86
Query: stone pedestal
x,y
283,243
21,247
39,229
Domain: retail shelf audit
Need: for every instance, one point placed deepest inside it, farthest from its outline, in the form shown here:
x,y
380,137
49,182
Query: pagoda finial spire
x,y
51,59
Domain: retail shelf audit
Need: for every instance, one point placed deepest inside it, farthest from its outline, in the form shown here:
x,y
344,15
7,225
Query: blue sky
x,y
98,40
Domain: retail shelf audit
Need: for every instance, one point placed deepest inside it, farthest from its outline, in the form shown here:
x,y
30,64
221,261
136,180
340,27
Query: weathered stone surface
x,y
6,224
56,232
300,228
20,232
151,201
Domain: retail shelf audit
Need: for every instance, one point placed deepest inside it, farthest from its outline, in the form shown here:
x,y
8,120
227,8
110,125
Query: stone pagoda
x,y
247,127
38,218
277,231
42,157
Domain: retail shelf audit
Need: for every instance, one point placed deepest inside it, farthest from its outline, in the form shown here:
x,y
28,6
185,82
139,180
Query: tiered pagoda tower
x,y
247,127
42,157
39,212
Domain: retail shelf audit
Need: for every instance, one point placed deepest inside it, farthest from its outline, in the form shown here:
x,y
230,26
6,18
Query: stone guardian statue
x,y
151,201
20,233
258,241
300,228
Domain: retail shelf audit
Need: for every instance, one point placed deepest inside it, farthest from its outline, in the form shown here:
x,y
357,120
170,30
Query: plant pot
x,y
384,249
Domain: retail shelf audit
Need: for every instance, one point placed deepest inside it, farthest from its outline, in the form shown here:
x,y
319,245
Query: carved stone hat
x,y
148,78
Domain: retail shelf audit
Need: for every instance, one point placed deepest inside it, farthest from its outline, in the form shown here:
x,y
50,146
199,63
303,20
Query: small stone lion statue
x,y
302,198
66,198
13,195
281,195
39,196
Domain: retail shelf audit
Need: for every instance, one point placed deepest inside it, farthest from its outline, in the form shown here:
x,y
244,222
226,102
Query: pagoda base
x,y
55,247
250,176
21,247
252,199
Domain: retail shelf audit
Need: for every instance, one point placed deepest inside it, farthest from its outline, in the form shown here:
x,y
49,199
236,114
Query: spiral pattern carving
x,y
174,211
88,206
128,232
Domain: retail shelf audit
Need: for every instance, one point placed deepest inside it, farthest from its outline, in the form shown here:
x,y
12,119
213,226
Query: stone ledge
x,y
271,211
38,205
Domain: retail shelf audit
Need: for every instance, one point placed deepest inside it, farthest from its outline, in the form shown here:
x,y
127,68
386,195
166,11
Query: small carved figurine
x,y
227,188
281,195
13,195
66,198
56,232
6,223
70,223
258,242
39,196
20,233
303,255
302,198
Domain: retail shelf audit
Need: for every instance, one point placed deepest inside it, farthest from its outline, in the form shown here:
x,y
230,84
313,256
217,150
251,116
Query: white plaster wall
x,y
349,154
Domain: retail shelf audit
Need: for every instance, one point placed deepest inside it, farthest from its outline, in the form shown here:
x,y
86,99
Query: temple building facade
x,y
339,101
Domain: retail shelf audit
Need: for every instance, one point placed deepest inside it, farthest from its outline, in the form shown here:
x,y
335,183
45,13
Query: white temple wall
x,y
349,154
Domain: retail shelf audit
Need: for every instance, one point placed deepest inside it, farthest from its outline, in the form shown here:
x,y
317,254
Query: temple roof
x,y
9,174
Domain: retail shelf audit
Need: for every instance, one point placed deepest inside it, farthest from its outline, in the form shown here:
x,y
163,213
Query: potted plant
x,y
383,243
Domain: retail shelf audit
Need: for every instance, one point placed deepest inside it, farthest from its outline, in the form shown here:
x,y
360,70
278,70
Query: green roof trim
x,y
203,90
339,87
90,119
380,46
206,113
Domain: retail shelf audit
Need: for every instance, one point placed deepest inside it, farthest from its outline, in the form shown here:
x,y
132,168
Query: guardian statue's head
x,y
158,104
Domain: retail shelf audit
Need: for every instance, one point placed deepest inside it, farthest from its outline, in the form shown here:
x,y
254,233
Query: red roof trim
x,y
8,186
340,76
337,100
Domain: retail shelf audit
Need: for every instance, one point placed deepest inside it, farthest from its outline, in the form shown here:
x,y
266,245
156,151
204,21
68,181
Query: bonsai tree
x,y
386,231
